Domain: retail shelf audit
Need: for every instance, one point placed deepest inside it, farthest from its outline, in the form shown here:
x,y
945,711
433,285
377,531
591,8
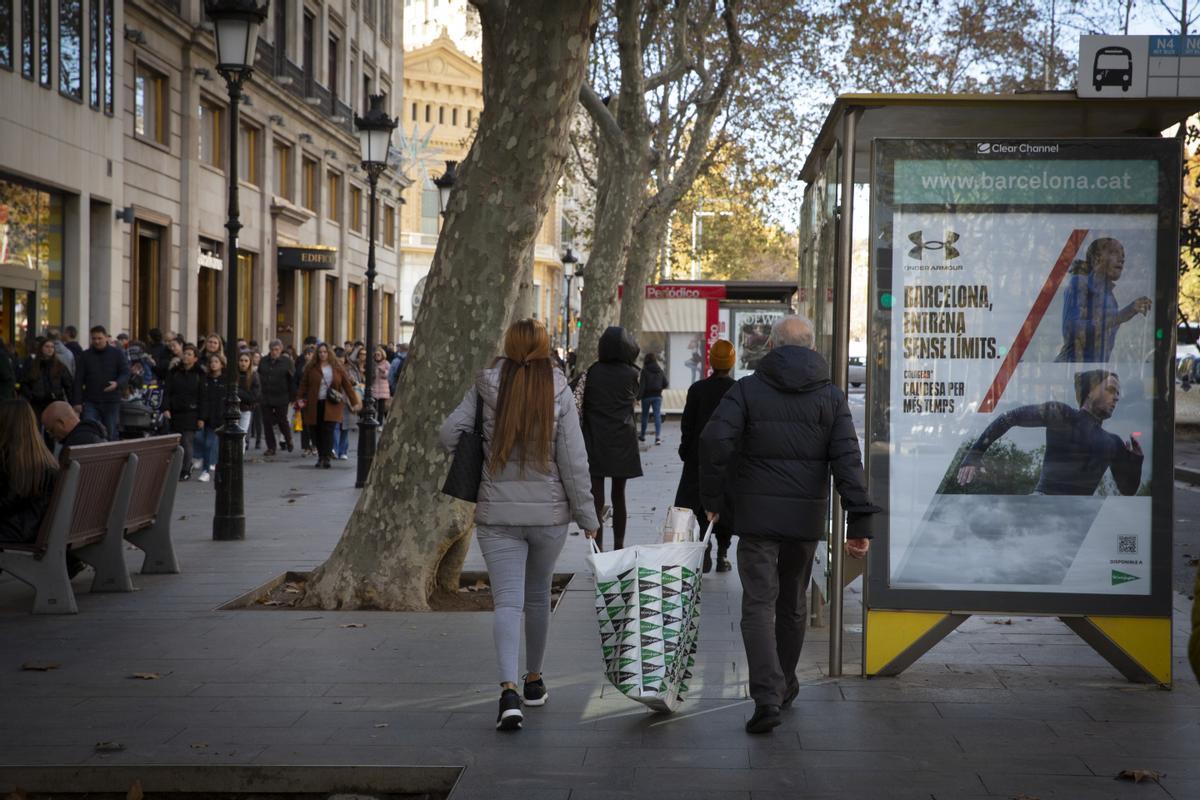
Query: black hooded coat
x,y
611,390
787,427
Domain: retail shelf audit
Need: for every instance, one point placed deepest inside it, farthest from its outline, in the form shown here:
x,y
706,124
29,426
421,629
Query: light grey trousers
x,y
520,562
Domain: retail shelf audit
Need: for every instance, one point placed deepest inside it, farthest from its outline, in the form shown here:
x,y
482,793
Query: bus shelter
x,y
1022,253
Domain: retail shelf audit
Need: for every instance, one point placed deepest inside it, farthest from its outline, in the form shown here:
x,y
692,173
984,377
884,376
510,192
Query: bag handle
x,y
708,534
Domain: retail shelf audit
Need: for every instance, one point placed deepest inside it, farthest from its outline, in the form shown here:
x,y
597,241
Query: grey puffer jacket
x,y
531,497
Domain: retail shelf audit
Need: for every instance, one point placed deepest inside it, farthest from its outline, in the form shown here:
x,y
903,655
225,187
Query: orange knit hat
x,y
722,356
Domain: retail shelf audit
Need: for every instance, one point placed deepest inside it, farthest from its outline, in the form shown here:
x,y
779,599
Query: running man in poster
x,y
1078,449
1091,314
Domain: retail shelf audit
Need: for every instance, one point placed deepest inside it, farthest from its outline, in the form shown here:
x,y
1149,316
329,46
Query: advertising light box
x,y
1021,425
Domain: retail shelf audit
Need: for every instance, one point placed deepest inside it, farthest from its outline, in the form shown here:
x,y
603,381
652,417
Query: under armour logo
x,y
947,246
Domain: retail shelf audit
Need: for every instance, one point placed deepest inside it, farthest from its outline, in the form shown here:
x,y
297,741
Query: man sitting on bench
x,y
65,425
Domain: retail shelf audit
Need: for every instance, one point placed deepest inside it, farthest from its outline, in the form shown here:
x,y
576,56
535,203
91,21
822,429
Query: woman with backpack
x,y
535,480
611,387
653,382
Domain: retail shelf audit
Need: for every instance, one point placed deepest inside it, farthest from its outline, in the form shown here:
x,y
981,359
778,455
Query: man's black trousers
x,y
775,576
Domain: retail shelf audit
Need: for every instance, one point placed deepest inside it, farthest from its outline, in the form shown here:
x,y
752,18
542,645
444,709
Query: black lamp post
x,y
375,138
444,183
569,260
235,28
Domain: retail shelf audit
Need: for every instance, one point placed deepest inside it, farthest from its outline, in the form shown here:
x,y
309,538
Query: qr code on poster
x,y
1127,544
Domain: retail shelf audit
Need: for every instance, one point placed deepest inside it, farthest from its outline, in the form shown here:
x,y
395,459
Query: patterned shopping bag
x,y
648,607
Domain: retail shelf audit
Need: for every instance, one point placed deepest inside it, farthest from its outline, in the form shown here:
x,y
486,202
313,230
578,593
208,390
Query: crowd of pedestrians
x,y
127,388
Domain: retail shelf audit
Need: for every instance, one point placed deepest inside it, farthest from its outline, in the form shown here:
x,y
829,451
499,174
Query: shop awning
x,y
686,316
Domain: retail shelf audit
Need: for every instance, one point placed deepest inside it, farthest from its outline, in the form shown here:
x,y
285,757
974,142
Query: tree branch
x,y
600,114
581,161
681,60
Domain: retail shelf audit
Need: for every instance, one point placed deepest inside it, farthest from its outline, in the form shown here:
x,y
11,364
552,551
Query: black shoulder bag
x,y
466,468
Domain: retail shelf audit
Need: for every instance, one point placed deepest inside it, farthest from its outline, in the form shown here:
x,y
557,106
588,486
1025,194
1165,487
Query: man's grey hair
x,y
275,343
793,329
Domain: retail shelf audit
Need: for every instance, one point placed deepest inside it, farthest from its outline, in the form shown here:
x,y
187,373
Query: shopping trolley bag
x,y
648,607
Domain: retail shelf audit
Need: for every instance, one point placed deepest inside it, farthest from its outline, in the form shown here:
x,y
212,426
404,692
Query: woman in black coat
x,y
181,403
702,399
610,391
44,379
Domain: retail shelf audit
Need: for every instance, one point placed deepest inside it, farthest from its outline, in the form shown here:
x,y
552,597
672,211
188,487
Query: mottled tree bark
x,y
405,537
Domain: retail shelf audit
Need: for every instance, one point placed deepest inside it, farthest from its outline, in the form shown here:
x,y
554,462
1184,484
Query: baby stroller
x,y
141,413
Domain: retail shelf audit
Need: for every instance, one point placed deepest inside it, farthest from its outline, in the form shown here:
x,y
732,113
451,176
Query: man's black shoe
x,y
765,719
790,696
723,564
535,692
510,716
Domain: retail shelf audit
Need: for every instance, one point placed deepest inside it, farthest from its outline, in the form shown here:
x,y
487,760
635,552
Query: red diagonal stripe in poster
x,y
1025,335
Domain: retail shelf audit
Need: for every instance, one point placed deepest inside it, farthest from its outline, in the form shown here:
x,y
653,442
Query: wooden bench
x,y
89,513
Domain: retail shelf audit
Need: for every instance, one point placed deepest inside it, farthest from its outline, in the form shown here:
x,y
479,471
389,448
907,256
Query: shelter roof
x,y
1049,115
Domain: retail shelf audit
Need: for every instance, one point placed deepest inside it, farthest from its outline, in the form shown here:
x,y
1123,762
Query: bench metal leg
x,y
108,555
155,541
48,575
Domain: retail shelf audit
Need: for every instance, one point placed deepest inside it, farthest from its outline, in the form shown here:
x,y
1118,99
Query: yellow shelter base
x,y
1138,647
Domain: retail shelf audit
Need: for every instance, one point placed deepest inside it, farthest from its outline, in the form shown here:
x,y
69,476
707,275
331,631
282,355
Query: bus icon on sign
x,y
1113,66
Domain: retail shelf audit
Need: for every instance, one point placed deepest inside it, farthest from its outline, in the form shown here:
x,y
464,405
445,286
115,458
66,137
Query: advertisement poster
x,y
752,327
1021,304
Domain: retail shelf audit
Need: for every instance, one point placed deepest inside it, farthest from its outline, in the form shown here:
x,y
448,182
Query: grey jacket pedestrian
x,y
530,497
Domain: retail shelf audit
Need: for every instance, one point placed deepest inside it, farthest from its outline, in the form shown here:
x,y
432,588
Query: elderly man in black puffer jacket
x,y
784,429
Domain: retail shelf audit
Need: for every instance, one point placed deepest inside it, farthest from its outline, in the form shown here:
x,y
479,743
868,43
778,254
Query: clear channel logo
x,y
1014,148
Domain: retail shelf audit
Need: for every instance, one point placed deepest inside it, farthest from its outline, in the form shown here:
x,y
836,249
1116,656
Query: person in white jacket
x,y
535,481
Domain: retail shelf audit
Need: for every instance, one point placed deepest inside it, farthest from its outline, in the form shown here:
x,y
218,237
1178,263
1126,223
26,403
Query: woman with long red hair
x,y
535,481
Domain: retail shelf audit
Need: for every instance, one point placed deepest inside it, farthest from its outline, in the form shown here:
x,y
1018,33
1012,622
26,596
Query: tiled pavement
x,y
993,711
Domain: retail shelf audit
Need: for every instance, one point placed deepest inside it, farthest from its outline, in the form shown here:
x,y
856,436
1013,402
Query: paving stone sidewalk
x,y
995,710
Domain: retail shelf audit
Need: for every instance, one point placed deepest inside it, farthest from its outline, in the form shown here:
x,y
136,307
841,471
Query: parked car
x,y
858,372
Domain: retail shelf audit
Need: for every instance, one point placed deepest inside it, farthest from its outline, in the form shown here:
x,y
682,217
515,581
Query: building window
x,y
352,292
385,20
208,286
331,287
356,209
454,116
70,48
389,226
145,290
245,290
28,57
248,170
441,115
109,45
279,18
150,104
34,240
428,112
334,60
95,62
470,117
283,170
45,47
369,11
6,33
429,210
366,92
414,112
333,184
310,190
309,54
387,328
212,130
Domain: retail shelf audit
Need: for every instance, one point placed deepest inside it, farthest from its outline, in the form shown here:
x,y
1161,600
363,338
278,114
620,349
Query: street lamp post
x,y
444,183
569,260
375,139
235,29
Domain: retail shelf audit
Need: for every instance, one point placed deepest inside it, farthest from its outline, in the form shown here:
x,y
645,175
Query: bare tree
x,y
405,539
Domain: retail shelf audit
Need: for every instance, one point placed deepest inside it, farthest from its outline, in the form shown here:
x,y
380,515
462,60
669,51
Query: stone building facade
x,y
113,152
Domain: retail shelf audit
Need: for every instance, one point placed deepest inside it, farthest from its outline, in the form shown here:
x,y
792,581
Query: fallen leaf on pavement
x,y
381,724
1139,775
292,500
40,666
145,676
109,747
355,625
135,792
1000,621
199,745
479,586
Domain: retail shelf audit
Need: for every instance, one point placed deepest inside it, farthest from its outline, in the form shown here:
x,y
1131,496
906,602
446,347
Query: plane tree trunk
x,y
405,538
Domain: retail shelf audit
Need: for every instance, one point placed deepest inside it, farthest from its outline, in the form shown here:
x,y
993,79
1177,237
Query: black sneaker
x,y
723,564
765,719
535,692
510,716
792,693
